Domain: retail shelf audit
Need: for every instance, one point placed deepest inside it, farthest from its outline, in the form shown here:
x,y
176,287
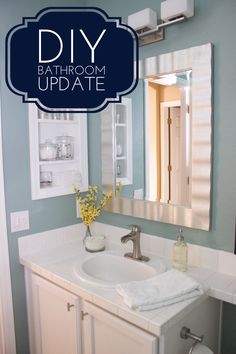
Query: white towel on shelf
x,y
161,290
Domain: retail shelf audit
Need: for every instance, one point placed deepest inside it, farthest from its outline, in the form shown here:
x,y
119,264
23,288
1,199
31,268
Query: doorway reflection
x,y
168,139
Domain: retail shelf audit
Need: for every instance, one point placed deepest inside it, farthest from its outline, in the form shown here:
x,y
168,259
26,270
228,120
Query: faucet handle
x,y
134,228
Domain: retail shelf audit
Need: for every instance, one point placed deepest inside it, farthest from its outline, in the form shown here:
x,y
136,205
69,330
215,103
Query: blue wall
x,y
214,22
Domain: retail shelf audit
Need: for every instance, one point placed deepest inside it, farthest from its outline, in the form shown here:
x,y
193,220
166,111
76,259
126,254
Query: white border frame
x,y
7,334
81,131
198,216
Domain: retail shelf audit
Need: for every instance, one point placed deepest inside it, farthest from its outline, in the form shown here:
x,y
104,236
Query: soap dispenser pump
x,y
180,253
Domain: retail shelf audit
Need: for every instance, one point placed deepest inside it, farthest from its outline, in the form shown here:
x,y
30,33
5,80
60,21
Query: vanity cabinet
x,y
62,323
54,319
105,333
58,152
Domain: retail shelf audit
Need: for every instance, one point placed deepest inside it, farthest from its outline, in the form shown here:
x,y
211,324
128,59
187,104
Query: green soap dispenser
x,y
180,253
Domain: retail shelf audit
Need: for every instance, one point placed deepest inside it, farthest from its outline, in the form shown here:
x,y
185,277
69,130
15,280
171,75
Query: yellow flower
x,y
90,206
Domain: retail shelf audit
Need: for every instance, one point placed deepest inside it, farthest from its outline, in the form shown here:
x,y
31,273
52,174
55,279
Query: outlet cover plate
x,y
19,221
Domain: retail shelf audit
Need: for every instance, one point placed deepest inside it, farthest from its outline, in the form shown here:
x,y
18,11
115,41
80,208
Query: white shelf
x,y
57,162
120,157
120,125
54,191
125,181
56,121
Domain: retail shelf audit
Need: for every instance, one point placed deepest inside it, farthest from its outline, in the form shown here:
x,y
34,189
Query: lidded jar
x,y
47,150
65,147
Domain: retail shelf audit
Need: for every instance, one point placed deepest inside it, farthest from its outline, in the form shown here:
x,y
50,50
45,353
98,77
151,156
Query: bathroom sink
x,y
106,269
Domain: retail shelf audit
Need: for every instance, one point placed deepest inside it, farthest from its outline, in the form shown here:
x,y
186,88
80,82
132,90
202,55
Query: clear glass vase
x,y
93,243
87,232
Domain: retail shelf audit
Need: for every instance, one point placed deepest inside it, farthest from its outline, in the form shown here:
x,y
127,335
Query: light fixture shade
x,y
146,18
171,9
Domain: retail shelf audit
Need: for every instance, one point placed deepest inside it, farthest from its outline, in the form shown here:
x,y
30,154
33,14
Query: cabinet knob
x,y
69,306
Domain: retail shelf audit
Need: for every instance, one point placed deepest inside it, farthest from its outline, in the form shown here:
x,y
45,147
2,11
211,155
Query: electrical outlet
x,y
19,221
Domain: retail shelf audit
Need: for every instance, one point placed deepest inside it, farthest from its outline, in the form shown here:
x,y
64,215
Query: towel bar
x,y
185,333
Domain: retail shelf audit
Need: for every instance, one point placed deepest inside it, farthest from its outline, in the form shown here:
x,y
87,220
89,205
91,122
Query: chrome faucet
x,y
134,236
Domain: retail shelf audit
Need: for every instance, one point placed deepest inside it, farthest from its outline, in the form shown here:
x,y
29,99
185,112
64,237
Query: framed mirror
x,y
156,143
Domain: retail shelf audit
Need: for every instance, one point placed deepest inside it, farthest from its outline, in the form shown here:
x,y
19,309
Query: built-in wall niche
x,y
117,144
122,114
58,152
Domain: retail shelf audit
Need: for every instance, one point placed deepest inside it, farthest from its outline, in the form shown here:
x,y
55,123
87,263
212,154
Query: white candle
x,y
95,243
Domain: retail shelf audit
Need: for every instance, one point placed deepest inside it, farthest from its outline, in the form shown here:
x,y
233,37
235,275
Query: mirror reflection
x,y
156,143
153,140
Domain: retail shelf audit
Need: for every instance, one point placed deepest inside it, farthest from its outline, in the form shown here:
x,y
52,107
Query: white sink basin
x,y
106,269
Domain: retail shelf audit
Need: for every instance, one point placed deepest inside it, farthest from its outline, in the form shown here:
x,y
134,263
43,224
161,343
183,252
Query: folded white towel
x,y
161,290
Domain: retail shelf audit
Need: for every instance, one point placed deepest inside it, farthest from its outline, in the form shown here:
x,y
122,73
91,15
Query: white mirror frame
x,y
199,59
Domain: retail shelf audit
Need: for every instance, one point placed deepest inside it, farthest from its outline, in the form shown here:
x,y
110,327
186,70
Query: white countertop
x,y
56,263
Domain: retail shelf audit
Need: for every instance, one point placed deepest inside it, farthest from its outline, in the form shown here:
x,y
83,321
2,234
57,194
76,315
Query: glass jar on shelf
x,y
47,150
65,147
46,178
118,170
118,150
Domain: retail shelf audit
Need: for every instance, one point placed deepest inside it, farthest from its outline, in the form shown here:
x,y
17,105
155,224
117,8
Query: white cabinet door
x,y
56,313
107,334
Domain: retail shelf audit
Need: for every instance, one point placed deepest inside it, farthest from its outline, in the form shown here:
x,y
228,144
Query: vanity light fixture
x,y
168,80
143,20
172,80
149,29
